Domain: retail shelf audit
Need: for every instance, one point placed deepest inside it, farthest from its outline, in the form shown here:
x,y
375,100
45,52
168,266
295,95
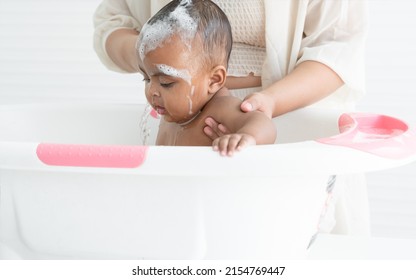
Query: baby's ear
x,y
217,79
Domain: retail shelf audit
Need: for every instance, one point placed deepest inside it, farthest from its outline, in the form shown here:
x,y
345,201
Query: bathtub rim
x,y
333,160
299,157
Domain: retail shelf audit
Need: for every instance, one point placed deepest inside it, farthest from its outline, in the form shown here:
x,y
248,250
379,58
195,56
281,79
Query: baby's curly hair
x,y
212,27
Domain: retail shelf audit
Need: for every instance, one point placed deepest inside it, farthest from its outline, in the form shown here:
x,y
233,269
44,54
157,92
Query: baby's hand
x,y
229,143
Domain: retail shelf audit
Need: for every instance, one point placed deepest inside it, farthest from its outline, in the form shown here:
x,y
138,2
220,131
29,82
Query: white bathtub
x,y
95,193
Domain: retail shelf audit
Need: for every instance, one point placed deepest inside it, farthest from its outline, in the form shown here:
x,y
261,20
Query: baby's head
x,y
190,20
183,53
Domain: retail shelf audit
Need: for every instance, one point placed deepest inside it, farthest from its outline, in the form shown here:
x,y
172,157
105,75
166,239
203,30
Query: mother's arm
x,y
121,48
308,83
116,27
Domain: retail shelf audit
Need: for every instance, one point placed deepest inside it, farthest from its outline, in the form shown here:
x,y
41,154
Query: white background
x,y
391,60
46,54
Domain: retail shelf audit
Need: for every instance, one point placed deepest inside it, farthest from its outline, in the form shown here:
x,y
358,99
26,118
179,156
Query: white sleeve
x,y
115,14
334,34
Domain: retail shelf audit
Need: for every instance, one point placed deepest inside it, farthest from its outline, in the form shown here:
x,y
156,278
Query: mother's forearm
x,y
121,48
308,83
248,81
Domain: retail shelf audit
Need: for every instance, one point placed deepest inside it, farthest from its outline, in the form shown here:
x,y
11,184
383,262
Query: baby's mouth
x,y
160,110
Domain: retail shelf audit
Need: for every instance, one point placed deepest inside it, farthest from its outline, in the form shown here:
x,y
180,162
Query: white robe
x,y
331,32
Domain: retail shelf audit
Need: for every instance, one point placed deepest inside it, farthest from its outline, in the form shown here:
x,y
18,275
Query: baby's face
x,y
176,84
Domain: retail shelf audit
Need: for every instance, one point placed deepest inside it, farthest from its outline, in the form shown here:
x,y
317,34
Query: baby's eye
x,y
146,80
167,85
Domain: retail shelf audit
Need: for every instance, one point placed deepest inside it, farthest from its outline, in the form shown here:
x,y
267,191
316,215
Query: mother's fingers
x,y
258,102
214,129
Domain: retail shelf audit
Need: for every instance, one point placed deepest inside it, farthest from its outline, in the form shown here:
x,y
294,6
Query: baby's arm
x,y
247,128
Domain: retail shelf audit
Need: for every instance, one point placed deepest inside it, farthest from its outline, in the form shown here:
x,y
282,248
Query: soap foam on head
x,y
178,22
173,72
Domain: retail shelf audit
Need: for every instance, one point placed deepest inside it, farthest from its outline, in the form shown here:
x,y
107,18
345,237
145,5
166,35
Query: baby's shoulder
x,y
228,102
222,108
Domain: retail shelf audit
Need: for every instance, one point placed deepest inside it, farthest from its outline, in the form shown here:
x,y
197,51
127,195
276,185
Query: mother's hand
x,y
214,129
258,101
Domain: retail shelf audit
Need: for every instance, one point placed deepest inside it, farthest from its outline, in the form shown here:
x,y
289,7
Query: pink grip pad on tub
x,y
91,155
377,134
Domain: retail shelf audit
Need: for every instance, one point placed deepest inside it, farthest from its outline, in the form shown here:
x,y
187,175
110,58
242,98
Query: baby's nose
x,y
154,91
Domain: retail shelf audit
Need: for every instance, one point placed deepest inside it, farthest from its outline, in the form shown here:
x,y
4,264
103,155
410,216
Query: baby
x,y
183,55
